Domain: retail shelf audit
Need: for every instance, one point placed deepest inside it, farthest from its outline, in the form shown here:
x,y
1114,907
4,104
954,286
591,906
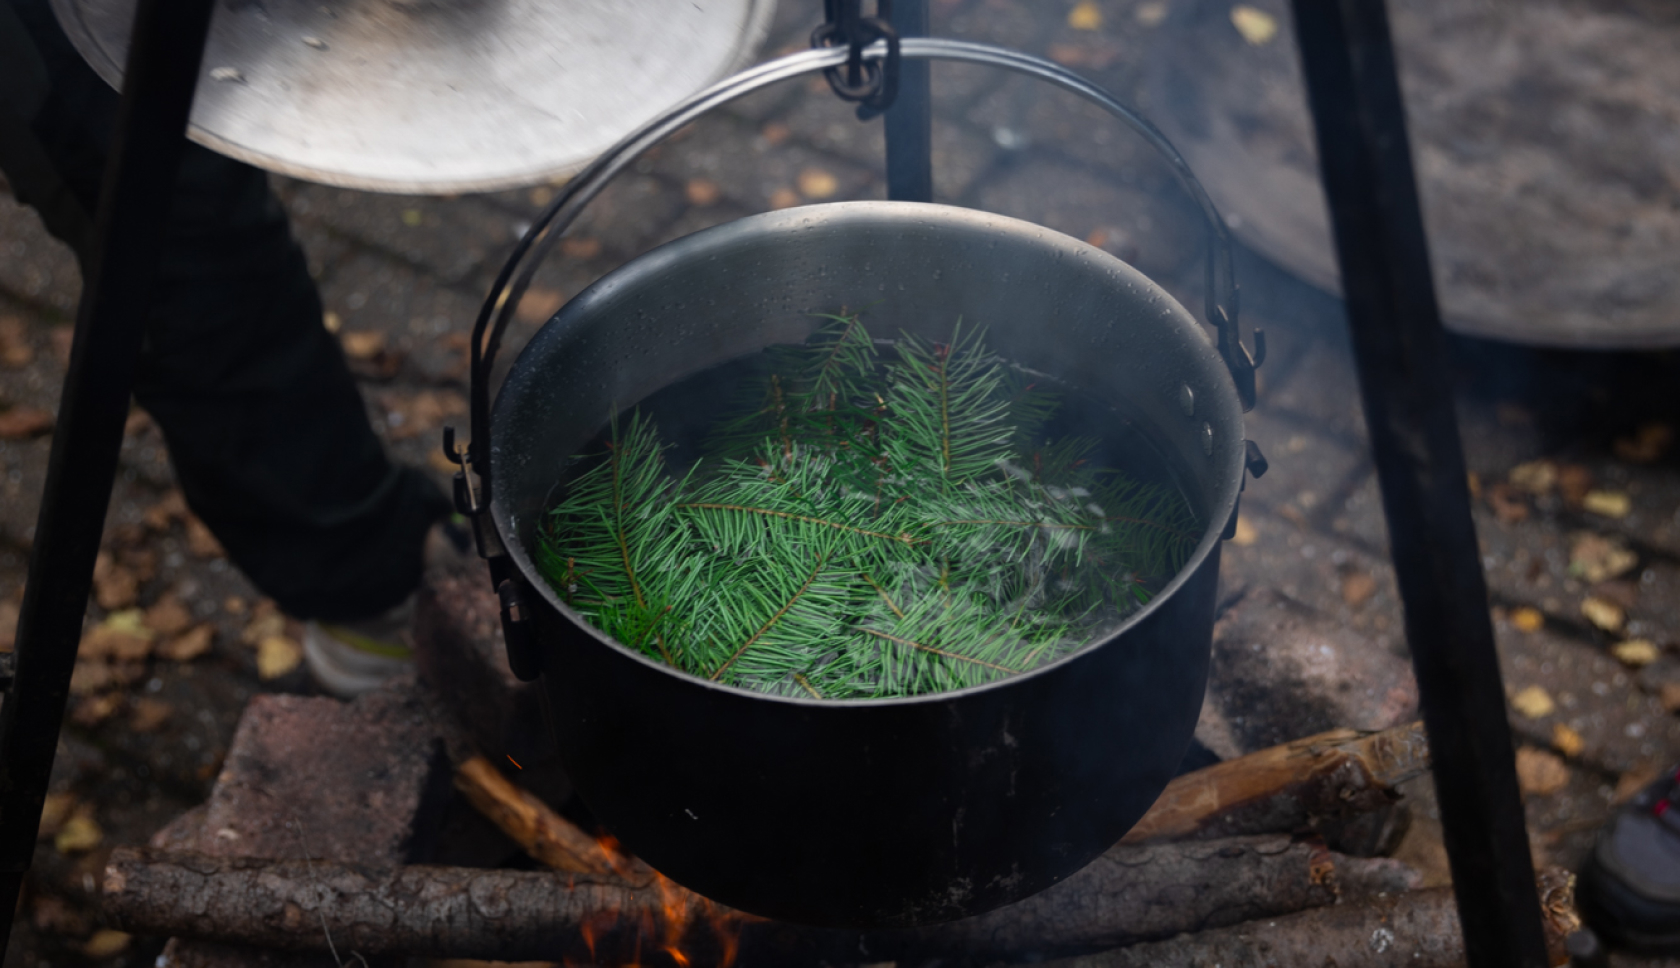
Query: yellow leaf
x,y
1527,619
1533,702
816,183
1539,772
332,321
1085,15
276,656
1151,14
79,834
55,810
1256,26
1610,504
1606,615
1535,476
1246,534
104,944
1635,652
1567,741
411,217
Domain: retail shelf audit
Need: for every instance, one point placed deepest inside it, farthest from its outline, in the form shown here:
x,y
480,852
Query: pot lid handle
x,y
547,229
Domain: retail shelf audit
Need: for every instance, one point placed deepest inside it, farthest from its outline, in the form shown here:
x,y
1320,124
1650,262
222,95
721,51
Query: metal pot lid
x,y
1543,134
436,95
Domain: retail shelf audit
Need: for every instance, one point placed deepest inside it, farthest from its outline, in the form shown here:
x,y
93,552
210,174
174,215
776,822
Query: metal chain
x,y
872,85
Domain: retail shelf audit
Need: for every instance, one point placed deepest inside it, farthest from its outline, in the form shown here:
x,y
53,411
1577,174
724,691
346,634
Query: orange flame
x,y
678,911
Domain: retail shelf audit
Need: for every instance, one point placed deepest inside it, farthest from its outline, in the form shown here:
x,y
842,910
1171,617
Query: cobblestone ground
x,y
1578,489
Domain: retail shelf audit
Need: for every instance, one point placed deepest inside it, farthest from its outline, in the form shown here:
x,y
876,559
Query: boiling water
x,y
774,572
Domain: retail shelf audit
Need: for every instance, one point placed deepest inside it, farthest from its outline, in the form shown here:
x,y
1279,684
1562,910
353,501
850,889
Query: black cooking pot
x,y
886,812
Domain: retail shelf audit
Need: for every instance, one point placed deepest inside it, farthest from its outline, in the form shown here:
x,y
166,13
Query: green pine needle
x,y
864,528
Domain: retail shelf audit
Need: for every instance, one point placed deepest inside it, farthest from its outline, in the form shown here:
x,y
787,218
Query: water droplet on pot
x,y
1207,438
1187,400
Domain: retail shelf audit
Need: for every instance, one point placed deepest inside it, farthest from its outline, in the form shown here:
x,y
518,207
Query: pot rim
x,y
1225,501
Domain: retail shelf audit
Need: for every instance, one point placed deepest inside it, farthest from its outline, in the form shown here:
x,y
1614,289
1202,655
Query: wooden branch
x,y
548,837
1419,929
1129,894
1297,786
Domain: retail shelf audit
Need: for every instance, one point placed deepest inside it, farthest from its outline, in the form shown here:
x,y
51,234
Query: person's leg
x,y
266,429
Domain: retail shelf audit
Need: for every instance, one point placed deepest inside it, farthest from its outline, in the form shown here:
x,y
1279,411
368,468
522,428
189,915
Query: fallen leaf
x,y
189,645
15,350
1596,558
1566,740
816,183
55,809
1473,481
54,915
1534,702
161,515
113,585
1085,15
61,338
784,197
90,711
774,133
1537,477
147,715
1634,780
1256,26
266,621
412,217
1647,445
1507,506
122,637
580,247
1609,504
1606,615
25,423
1150,14
1539,772
362,344
1635,652
138,422
1246,533
1527,619
1574,481
8,625
538,304
702,192
1357,588
332,321
233,605
105,943
168,616
1096,56
79,834
540,195
1669,695
276,656
411,416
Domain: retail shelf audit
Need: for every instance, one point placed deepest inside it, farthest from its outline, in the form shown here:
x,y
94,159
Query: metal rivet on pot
x,y
1187,399
1207,438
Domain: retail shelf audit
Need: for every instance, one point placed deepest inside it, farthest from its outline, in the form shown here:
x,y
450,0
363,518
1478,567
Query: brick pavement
x,y
414,269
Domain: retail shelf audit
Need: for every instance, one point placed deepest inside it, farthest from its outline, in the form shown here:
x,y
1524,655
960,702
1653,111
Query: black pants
x,y
265,427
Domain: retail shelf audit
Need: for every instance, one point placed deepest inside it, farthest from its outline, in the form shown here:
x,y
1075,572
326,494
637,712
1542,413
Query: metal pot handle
x,y
551,224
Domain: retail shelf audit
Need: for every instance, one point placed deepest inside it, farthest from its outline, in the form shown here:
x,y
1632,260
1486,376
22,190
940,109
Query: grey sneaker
x,y
1629,888
351,658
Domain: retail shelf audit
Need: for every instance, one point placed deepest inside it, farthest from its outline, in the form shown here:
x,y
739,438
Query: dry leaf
x,y
540,196
1085,15
1539,772
168,616
1606,615
233,605
161,515
1635,652
702,192
784,197
332,322
1635,780
1357,588
266,620
79,834
1473,481
1527,619
538,304
1256,26
25,423
8,625
1574,481
1596,558
276,656
189,645
1533,702
90,711
1507,505
122,637
1567,741
1537,477
411,217
15,350
147,715
113,585
774,133
1150,14
580,247
105,943
362,344
817,183
1647,445
1246,533
1609,504
55,809
1669,695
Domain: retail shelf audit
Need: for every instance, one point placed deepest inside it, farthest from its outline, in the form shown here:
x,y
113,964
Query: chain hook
x,y
872,84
